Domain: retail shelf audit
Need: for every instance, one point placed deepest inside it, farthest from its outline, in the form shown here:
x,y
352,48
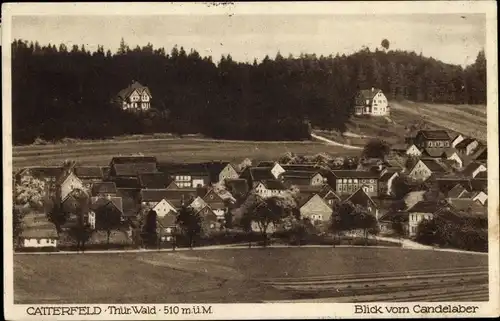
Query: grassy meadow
x,y
166,150
228,275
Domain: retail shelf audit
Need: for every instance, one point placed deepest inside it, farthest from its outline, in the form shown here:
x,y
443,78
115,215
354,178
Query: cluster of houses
x,y
131,184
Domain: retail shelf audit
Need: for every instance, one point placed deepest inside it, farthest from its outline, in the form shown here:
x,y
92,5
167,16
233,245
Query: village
x,y
138,201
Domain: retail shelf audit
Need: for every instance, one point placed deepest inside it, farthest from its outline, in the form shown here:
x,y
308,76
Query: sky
x,y
451,38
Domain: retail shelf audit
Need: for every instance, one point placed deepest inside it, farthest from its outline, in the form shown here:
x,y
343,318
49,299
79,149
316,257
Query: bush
x,y
40,141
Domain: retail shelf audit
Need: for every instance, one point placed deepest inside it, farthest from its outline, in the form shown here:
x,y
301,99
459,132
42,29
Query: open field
x,y
469,120
166,150
237,275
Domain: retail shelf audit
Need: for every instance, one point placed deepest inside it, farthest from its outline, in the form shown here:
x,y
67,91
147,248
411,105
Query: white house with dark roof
x,y
371,102
270,187
135,97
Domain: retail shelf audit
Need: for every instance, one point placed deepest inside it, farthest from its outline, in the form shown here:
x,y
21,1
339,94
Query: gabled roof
x,y
176,196
126,92
448,152
434,166
184,168
133,169
312,197
132,159
433,152
425,207
482,175
400,147
130,201
369,93
387,175
360,197
88,172
237,186
153,195
301,167
47,232
258,173
99,202
301,174
273,184
413,198
435,134
215,168
464,143
478,184
481,153
394,163
456,191
354,174
169,220
387,217
469,207
127,182
154,180
103,188
267,164
206,212
469,169
212,197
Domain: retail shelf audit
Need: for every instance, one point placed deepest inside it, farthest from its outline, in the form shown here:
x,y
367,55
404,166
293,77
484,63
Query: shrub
x,y
40,141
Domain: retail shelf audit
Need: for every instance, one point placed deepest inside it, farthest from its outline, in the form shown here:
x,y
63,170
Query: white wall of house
x,y
261,190
413,151
471,147
317,180
457,159
277,170
414,219
39,242
163,208
379,105
457,140
479,169
481,197
316,209
228,173
71,183
420,172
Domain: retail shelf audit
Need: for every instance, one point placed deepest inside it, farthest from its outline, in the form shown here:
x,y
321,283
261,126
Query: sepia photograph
x,y
248,157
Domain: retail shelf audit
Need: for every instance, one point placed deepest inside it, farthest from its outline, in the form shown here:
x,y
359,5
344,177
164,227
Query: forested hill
x,y
66,92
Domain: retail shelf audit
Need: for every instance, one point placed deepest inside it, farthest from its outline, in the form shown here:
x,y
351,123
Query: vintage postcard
x,y
262,160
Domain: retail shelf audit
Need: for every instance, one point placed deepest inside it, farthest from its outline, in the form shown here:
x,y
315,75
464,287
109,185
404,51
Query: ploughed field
x,y
251,276
166,149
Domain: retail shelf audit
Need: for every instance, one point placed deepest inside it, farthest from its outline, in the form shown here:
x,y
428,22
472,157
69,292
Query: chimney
x,y
373,89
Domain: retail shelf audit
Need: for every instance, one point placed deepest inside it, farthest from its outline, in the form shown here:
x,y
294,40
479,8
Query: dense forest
x,y
62,92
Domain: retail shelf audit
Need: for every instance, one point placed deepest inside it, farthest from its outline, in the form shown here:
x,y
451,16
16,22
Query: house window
x,y
355,181
371,188
349,180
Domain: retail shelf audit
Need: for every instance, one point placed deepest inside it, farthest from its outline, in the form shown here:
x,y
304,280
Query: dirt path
x,y
334,143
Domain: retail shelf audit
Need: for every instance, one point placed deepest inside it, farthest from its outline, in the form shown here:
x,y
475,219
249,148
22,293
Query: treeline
x,y
62,92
